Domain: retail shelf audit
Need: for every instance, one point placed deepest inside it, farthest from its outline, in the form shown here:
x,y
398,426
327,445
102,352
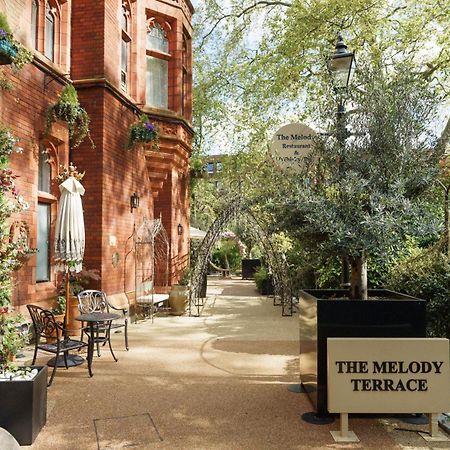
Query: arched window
x,y
34,22
157,81
49,50
43,217
125,45
157,39
184,76
45,171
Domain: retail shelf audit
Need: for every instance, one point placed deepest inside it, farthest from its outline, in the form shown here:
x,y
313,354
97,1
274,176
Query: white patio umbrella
x,y
69,234
195,233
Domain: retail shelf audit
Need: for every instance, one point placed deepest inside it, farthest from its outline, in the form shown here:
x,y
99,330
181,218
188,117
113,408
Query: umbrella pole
x,y
72,360
67,316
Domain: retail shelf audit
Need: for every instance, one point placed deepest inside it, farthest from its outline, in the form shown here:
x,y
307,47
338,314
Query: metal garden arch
x,y
275,260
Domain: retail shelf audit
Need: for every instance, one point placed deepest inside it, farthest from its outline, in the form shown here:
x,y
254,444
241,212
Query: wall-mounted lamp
x,y
180,229
134,201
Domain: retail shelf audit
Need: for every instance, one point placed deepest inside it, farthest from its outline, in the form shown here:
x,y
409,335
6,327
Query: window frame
x,y
35,10
49,11
165,27
50,199
125,43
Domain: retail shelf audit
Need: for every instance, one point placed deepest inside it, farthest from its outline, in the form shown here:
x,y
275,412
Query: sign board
x,y
290,145
403,375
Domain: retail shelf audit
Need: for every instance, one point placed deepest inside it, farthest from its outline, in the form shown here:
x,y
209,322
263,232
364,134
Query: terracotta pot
x,y
178,300
74,326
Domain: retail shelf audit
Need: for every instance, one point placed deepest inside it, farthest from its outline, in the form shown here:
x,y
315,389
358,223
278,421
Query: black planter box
x,y
322,315
23,406
267,287
249,267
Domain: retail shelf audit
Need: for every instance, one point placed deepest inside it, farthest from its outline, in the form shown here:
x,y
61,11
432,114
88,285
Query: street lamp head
x,y
341,64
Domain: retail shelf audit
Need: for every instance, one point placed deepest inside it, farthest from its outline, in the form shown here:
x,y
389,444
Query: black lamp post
x,y
341,66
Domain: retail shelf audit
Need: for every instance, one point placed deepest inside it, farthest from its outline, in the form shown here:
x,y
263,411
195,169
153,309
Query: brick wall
x,y
90,48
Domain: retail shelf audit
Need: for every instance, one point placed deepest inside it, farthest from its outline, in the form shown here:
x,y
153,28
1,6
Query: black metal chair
x,y
46,327
90,301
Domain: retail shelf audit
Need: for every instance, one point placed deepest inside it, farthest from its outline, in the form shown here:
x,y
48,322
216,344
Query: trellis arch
x,y
276,261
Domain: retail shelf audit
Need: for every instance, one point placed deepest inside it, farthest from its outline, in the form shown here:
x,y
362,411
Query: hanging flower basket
x,y
8,52
143,132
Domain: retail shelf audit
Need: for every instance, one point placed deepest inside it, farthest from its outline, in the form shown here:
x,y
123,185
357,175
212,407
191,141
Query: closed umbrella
x,y
69,233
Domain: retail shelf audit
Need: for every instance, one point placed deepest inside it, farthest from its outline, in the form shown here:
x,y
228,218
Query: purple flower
x,y
3,34
149,126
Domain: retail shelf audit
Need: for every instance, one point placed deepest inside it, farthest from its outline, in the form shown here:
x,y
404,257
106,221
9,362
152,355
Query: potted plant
x,y
358,198
69,110
11,51
78,281
179,294
143,132
8,50
264,281
23,391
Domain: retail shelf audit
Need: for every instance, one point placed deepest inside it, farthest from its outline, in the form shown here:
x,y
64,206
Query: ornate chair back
x,y
44,322
92,301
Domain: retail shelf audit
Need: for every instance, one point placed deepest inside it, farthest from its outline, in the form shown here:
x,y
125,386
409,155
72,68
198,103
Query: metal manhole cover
x,y
126,432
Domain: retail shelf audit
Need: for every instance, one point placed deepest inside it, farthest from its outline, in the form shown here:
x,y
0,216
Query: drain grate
x,y
126,432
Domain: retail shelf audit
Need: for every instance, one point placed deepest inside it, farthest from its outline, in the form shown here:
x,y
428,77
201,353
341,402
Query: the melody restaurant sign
x,y
290,145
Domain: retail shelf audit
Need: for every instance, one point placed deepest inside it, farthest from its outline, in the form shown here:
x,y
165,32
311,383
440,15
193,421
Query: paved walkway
x,y
219,381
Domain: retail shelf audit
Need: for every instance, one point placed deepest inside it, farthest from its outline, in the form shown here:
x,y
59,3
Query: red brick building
x,y
125,58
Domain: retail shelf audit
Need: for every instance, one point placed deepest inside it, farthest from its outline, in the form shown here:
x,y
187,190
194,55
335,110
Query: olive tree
x,y
361,195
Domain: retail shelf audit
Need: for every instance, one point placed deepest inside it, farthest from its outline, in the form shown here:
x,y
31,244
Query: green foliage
x,y
60,307
78,281
69,110
14,249
426,274
362,196
227,255
19,54
185,277
4,25
12,339
22,58
143,132
261,276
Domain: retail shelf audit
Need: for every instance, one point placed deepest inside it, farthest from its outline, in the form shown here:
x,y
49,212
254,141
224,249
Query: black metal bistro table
x,y
94,319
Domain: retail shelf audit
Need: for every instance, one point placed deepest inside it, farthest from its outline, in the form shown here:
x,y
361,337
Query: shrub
x,y
426,275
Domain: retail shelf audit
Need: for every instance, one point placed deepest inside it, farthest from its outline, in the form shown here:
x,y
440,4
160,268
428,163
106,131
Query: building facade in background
x,y
125,58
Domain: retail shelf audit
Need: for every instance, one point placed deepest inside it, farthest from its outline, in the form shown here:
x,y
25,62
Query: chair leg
x,y
65,360
53,371
98,343
110,348
126,334
35,354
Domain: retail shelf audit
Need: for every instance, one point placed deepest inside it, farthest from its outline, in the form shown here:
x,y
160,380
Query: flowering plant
x,y
142,132
14,250
229,235
11,51
66,172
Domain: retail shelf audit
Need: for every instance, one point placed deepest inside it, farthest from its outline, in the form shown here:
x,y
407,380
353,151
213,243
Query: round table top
x,y
97,317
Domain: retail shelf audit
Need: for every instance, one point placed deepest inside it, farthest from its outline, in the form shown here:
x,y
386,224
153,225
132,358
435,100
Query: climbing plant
x,y
14,248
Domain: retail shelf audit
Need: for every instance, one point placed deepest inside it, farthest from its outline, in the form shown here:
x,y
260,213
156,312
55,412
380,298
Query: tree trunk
x,y
358,288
